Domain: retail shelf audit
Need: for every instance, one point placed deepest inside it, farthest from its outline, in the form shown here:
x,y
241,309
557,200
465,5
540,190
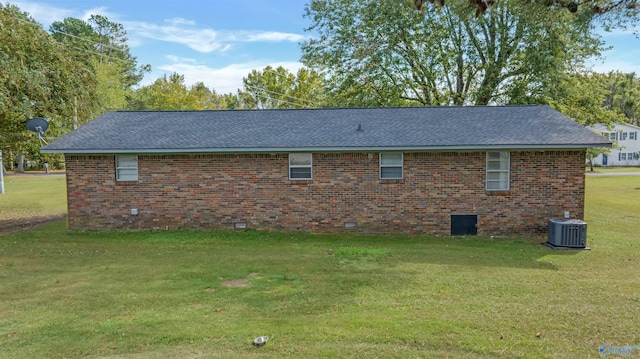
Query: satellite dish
x,y
38,125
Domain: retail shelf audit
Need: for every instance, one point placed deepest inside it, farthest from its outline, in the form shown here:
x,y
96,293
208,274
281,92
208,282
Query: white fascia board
x,y
331,149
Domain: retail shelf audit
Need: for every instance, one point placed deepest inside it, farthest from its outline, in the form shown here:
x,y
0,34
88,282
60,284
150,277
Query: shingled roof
x,y
352,129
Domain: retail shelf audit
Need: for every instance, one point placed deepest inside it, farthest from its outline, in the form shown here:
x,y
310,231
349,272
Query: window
x,y
497,171
627,156
300,166
127,168
623,136
613,136
633,135
391,165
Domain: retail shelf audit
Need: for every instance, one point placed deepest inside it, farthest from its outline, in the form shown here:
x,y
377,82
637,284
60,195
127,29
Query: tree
x,y
612,13
279,88
171,93
168,93
594,152
592,97
109,58
40,78
583,97
623,94
106,40
207,99
381,53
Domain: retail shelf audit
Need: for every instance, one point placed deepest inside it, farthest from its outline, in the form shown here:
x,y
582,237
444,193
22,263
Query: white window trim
x,y
125,167
309,166
507,171
389,166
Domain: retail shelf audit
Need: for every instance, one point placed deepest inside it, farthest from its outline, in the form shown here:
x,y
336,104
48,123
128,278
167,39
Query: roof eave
x,y
510,147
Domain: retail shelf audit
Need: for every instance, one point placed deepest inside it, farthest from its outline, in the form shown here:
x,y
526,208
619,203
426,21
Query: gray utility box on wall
x,y
567,233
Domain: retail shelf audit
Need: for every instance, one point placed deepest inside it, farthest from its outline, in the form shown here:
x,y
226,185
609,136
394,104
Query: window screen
x,y
127,168
391,165
498,168
300,166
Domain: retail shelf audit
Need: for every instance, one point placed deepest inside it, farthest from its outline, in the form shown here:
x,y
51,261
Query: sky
x,y
218,42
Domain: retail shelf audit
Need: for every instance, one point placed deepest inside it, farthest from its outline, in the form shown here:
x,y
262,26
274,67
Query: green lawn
x,y
205,295
33,196
613,169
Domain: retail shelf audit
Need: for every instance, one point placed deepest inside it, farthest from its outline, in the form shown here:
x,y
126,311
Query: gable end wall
x,y
215,191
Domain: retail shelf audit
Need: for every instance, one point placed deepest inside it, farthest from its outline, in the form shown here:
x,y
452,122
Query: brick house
x,y
441,170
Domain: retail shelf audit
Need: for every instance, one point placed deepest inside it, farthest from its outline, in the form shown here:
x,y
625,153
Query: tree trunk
x,y
20,159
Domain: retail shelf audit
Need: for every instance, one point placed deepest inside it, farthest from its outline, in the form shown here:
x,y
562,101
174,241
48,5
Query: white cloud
x,y
201,40
273,36
176,30
86,14
222,80
44,13
178,59
204,40
47,14
180,21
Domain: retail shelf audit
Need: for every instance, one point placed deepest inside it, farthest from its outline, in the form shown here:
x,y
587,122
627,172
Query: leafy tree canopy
x,y
385,53
104,45
592,97
105,40
611,13
40,78
171,93
279,88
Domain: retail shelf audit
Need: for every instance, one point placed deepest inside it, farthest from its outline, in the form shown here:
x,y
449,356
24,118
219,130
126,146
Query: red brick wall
x,y
215,191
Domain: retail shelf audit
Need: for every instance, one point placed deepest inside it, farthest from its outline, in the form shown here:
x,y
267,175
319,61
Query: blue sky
x,y
219,42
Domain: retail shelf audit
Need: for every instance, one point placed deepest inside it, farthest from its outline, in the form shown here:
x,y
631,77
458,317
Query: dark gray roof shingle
x,y
406,128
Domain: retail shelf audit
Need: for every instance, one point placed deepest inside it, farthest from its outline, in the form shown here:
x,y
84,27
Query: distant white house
x,y
627,153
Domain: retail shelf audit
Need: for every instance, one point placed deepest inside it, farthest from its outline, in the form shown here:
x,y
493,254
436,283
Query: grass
x,y
208,294
613,169
26,197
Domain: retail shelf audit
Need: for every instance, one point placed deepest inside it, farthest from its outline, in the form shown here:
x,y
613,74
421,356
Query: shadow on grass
x,y
249,282
514,252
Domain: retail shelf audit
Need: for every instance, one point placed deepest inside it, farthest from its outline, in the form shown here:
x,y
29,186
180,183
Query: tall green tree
x,y
106,40
623,94
583,97
279,88
39,78
110,60
591,97
382,53
168,93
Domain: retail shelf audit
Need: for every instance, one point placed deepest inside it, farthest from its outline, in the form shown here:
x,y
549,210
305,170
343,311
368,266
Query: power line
x,y
264,91
83,39
77,37
304,101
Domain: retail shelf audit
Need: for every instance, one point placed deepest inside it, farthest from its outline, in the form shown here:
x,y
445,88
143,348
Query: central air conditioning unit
x,y
567,233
